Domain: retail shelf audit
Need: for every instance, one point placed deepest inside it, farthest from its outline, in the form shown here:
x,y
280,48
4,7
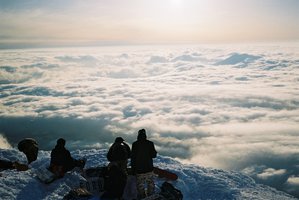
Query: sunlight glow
x,y
142,21
176,2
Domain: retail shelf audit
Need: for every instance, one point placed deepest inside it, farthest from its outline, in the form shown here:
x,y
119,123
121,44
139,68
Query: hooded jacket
x,y
143,152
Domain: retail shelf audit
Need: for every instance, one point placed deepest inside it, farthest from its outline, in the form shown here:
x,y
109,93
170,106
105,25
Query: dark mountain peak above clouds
x,y
237,58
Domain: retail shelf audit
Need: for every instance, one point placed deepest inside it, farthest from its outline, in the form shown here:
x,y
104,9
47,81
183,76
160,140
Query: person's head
x,y
141,134
119,140
60,142
30,148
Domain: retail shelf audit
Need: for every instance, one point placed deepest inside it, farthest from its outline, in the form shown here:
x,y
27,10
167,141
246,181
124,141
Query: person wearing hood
x,y
62,161
143,152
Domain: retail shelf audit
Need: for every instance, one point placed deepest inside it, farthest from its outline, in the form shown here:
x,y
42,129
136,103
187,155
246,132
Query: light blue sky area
x,y
55,22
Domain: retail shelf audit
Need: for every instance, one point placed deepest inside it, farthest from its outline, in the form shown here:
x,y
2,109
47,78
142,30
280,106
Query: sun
x,y
176,2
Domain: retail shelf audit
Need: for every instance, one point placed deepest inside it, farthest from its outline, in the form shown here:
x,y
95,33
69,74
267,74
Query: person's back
x,y
117,152
60,155
143,152
62,161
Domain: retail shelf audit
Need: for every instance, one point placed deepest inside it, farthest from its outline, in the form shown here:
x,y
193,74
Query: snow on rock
x,y
195,182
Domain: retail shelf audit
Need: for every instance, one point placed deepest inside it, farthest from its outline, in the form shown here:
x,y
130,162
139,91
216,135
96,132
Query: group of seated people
x,y
61,159
142,154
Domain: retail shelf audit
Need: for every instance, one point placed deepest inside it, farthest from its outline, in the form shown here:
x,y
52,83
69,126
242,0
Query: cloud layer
x,y
3,143
230,107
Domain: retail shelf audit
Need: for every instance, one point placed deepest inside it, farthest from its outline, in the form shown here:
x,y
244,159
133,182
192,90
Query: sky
x,y
97,22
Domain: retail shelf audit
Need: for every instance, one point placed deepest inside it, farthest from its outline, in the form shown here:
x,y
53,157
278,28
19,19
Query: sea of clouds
x,y
233,107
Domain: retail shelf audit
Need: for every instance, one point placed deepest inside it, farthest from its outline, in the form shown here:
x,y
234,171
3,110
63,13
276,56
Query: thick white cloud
x,y
292,185
4,143
231,107
270,172
293,181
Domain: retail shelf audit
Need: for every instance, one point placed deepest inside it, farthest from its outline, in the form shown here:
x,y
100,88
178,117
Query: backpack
x,y
114,183
169,192
130,190
94,179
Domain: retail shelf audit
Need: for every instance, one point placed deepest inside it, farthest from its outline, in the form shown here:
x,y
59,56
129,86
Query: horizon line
x,y
72,44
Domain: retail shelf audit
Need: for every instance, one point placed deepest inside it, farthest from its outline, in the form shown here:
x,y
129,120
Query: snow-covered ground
x,y
195,182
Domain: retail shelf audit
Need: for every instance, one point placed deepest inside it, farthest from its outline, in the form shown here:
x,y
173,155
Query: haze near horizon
x,y
73,22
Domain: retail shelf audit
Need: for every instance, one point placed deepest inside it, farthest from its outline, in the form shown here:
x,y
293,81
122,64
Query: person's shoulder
x,y
135,142
66,153
125,144
66,150
112,145
54,150
150,142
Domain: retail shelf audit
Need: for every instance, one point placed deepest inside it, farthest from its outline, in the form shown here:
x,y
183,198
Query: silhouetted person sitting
x,y
62,161
143,152
119,153
30,148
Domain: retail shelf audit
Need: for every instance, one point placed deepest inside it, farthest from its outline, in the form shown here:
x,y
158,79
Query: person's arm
x,y
52,158
5,164
128,150
153,150
109,154
133,158
69,157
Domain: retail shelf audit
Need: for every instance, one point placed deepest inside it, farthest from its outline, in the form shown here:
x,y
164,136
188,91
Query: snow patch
x,y
195,182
